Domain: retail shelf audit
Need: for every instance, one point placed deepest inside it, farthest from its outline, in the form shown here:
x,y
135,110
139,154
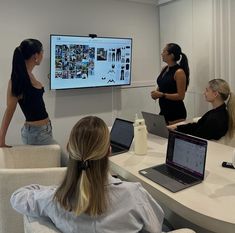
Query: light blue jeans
x,y
37,135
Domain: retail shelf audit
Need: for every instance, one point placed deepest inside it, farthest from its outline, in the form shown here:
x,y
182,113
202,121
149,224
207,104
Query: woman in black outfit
x,y
25,89
218,121
172,84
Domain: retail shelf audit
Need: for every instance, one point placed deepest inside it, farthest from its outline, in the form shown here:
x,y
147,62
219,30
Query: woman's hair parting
x,y
175,49
83,189
19,75
222,87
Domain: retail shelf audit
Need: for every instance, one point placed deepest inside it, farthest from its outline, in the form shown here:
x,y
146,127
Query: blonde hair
x,y
222,87
83,189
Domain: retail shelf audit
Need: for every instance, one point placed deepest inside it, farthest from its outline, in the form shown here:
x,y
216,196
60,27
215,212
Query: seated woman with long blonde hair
x,y
89,198
220,120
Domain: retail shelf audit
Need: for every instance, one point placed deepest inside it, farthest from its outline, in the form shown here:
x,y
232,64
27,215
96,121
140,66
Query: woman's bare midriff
x,y
38,123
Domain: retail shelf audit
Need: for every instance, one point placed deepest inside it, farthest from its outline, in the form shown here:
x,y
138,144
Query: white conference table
x,y
210,205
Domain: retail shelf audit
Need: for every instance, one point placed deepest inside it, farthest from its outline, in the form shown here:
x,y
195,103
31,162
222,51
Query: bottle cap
x,y
136,117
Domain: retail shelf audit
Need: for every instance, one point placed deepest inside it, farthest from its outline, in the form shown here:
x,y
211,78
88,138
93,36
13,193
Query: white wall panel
x,y
38,19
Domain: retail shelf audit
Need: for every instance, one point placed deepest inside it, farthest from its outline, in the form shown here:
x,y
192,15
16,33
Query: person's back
x,y
89,199
129,207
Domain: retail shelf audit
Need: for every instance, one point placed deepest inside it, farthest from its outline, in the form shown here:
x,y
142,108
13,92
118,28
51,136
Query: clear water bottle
x,y
233,158
140,136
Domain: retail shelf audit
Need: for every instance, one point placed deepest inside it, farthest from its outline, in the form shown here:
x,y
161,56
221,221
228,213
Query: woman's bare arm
x,y
9,112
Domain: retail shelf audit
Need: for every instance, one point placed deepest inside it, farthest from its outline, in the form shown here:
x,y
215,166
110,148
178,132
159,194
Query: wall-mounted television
x,y
83,61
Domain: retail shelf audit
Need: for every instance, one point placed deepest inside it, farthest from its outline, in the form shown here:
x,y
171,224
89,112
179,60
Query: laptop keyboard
x,y
175,174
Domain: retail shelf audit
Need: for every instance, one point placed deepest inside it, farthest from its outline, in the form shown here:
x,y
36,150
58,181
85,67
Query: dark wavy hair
x,y
175,49
19,75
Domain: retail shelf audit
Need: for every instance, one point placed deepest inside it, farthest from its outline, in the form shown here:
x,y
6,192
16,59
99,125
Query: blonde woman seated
x,y
89,198
220,119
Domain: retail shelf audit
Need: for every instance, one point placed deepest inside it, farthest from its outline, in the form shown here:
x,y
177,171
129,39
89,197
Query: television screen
x,y
80,62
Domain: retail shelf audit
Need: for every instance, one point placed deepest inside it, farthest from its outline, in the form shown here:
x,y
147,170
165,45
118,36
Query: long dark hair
x,y
175,49
19,75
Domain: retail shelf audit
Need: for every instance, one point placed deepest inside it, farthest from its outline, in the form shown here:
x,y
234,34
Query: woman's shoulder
x,y
215,115
132,189
179,74
179,71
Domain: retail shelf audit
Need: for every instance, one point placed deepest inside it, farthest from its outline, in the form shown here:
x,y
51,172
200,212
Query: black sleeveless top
x,y
172,110
32,104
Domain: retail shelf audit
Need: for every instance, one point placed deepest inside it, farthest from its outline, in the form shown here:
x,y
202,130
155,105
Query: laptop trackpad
x,y
163,180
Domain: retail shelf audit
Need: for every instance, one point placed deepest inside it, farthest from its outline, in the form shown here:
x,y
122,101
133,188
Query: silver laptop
x,y
155,124
185,163
121,136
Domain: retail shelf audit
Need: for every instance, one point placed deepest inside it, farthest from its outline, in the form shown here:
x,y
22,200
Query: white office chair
x,y
36,225
226,140
196,119
23,165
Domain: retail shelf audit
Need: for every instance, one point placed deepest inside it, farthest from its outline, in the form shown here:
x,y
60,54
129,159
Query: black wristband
x,y
163,95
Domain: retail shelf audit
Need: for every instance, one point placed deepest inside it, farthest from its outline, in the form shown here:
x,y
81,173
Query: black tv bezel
x,y
105,86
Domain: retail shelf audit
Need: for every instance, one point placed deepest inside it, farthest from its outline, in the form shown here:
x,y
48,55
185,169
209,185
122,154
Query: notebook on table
x,y
155,124
121,136
184,165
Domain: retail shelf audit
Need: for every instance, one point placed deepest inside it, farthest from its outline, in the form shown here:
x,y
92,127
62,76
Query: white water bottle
x,y
140,136
233,158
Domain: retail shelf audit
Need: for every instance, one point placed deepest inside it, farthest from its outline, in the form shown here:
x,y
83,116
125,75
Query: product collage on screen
x,y
80,62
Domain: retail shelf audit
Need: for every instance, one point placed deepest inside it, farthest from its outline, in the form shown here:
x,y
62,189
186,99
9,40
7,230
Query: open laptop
x,y
155,124
185,163
121,136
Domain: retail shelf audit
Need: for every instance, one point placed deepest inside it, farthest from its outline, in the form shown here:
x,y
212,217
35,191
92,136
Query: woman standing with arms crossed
x,y
172,84
25,89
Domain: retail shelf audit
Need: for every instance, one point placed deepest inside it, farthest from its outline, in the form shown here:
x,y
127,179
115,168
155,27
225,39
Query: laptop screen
x,y
187,153
122,133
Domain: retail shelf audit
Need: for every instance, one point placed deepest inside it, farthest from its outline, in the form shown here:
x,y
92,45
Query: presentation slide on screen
x,y
79,62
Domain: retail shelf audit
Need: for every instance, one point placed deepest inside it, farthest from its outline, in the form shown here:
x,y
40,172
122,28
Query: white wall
x,y
203,28
232,45
38,19
223,40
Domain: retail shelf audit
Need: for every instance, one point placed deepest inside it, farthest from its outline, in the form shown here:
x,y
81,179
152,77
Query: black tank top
x,y
32,104
172,110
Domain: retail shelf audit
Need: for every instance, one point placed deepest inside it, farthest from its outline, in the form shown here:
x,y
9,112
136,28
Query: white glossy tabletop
x,y
210,204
